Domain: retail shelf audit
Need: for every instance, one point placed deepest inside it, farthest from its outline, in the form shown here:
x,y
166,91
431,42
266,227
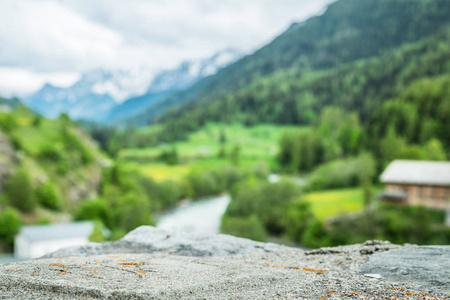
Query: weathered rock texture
x,y
258,271
147,239
429,266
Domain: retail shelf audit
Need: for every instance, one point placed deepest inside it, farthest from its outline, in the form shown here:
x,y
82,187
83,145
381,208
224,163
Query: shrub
x,y
19,191
97,235
274,198
412,152
235,155
50,152
169,193
62,167
315,235
298,217
47,196
342,173
9,225
169,156
74,145
267,200
244,200
247,227
97,209
203,184
132,210
410,224
8,122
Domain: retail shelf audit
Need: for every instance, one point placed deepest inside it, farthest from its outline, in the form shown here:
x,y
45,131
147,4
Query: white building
x,y
36,241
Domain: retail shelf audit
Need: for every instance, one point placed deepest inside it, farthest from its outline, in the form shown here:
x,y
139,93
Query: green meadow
x,y
210,147
335,202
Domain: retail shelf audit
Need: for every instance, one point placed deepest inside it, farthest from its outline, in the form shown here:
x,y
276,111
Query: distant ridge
x,y
106,96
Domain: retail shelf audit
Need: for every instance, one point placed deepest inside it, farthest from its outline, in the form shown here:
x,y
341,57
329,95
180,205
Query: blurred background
x,y
307,123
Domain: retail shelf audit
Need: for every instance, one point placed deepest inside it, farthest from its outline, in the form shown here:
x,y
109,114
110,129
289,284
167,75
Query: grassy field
x,y
336,202
257,144
160,172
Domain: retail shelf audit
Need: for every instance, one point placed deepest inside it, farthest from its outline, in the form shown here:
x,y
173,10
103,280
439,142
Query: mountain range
x,y
356,55
106,96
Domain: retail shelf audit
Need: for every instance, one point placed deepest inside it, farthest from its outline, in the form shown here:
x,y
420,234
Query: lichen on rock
x,y
151,263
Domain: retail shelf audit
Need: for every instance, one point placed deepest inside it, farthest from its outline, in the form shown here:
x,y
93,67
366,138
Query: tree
x,y
350,134
97,209
285,156
315,235
97,235
19,191
366,176
297,217
248,227
434,150
8,123
267,201
222,137
47,196
235,155
411,152
169,156
132,210
9,225
222,153
390,146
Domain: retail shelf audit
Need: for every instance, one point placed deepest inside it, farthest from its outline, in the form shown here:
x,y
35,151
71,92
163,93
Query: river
x,y
203,216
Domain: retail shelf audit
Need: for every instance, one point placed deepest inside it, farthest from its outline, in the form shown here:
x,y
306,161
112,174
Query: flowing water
x,y
202,216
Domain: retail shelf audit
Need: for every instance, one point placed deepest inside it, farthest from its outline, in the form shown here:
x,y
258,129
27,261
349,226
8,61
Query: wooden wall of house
x,y
427,195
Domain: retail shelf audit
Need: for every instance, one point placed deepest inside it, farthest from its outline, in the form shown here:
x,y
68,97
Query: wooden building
x,y
417,183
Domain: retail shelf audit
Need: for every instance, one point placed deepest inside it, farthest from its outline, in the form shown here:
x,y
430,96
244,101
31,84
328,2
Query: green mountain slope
x,y
348,31
287,97
56,152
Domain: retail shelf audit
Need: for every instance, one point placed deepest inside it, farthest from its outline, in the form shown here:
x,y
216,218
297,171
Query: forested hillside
x,y
348,31
52,172
297,99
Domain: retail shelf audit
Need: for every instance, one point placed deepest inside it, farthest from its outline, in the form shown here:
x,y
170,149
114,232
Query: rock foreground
x,y
374,270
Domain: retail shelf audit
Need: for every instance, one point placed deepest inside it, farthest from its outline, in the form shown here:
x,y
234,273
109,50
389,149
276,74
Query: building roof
x,y
57,231
417,172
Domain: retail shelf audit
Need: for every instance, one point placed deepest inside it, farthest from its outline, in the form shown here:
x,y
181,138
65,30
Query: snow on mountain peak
x,y
121,85
190,72
98,91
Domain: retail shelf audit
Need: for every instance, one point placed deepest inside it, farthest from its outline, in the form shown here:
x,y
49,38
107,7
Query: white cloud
x,y
21,82
46,36
70,36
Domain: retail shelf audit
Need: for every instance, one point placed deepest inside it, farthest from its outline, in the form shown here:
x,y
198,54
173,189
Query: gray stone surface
x,y
428,266
259,271
148,239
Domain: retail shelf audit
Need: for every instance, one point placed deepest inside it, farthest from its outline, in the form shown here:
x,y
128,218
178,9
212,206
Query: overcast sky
x,y
55,40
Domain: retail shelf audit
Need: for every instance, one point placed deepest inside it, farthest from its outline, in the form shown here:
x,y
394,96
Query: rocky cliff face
x,y
155,264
